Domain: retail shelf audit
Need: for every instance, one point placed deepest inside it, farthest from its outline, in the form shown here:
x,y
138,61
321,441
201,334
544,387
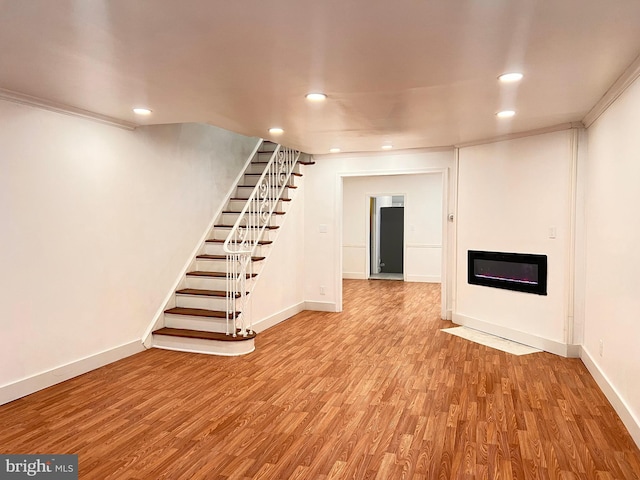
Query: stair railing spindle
x,y
249,228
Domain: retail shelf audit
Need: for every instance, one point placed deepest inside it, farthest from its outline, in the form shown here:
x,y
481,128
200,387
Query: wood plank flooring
x,y
375,392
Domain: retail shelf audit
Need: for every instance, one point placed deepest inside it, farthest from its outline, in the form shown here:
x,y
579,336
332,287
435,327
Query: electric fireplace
x,y
522,272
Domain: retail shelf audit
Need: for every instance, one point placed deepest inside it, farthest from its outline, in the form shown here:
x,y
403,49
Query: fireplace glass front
x,y
522,272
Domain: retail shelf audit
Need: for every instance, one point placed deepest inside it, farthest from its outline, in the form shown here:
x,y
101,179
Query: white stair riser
x,y
244,192
260,167
223,233
238,205
206,283
253,180
221,265
217,249
266,148
201,301
210,283
255,168
203,324
197,345
231,218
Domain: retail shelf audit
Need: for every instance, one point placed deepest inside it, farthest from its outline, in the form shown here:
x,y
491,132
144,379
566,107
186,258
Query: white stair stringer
x,y
194,319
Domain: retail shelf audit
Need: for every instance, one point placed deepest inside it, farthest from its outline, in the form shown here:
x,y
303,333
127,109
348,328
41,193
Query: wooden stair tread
x,y
203,292
260,242
224,257
274,213
181,332
200,273
307,163
198,312
295,174
253,186
268,227
245,199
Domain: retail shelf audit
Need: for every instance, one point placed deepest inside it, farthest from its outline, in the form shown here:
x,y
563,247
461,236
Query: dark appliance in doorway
x,y
391,239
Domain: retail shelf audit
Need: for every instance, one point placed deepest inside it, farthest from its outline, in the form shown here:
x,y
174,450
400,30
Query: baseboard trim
x,y
423,278
551,346
276,318
619,405
353,276
320,306
40,381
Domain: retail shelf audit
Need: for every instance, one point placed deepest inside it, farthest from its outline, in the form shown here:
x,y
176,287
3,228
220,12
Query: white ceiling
x,y
415,73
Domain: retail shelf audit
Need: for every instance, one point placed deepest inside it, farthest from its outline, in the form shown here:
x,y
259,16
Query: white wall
x,y
97,222
423,223
612,302
510,194
323,211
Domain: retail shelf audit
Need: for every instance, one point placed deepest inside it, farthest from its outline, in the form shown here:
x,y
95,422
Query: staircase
x,y
210,311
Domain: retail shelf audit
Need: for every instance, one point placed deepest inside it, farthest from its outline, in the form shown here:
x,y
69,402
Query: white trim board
x,y
321,306
526,133
617,402
278,317
354,276
551,346
40,381
36,102
423,278
630,75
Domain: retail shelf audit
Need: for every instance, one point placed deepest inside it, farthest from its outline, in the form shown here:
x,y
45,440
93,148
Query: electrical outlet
x,y
601,347
323,290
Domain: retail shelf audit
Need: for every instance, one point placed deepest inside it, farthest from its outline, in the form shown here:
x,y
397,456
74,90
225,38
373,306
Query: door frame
x,y
368,198
447,236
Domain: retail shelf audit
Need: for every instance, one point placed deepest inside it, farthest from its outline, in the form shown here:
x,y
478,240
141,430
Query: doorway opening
x,y
386,239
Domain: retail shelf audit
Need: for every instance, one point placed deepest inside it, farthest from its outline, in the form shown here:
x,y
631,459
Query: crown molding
x,y
384,153
22,99
624,81
529,133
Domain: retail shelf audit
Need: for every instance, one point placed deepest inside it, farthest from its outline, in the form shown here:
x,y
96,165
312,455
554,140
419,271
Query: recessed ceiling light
x,y
387,147
276,130
316,97
510,77
505,114
141,111
334,150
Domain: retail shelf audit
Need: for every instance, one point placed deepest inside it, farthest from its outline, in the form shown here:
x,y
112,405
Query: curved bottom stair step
x,y
208,343
222,337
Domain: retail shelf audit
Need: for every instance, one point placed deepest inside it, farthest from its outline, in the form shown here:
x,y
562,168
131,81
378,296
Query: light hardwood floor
x,y
375,392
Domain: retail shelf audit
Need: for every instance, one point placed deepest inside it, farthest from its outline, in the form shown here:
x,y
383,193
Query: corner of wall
x,y
617,402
